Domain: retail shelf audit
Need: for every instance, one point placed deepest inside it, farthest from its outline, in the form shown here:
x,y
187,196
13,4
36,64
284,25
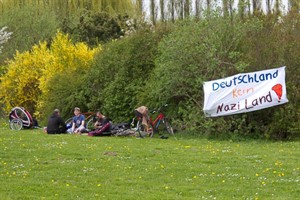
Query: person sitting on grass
x,y
78,123
56,124
102,125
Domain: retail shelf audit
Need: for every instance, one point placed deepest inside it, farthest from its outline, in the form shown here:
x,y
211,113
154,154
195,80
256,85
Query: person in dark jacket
x,y
56,124
102,125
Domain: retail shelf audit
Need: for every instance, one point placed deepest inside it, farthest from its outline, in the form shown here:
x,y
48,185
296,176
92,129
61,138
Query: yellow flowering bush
x,y
67,58
28,75
20,82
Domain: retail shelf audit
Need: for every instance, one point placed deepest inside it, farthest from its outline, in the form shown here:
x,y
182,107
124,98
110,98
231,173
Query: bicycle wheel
x,y
90,123
16,124
69,120
150,131
168,127
143,130
140,129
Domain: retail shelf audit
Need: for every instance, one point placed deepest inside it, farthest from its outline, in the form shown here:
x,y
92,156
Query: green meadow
x,y
34,165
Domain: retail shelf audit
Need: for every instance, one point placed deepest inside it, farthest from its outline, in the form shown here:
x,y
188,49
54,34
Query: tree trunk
x,y
172,9
268,6
179,8
152,11
162,10
256,6
187,5
198,8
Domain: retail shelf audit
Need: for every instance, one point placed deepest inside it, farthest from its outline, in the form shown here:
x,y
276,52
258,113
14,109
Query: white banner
x,y
245,92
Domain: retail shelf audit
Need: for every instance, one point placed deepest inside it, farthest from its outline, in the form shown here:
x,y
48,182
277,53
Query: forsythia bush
x,y
66,58
20,83
27,77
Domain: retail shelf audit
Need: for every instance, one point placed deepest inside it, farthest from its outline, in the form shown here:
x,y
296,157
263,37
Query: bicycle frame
x,y
155,124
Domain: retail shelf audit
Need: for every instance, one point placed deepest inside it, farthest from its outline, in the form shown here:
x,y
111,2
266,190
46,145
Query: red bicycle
x,y
159,125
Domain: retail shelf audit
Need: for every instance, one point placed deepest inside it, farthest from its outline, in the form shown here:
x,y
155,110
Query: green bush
x,y
199,51
276,44
120,73
97,27
196,51
67,92
161,65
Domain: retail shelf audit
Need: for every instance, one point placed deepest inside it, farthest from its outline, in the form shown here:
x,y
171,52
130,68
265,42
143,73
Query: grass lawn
x,y
34,165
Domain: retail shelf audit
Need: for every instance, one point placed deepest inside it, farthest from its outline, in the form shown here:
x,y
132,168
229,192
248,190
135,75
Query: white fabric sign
x,y
245,92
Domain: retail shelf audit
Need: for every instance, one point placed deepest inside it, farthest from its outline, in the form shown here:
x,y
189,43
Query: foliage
x,y
275,45
96,27
100,27
193,53
150,66
67,90
20,82
129,168
41,19
65,8
29,27
28,80
209,49
120,72
62,77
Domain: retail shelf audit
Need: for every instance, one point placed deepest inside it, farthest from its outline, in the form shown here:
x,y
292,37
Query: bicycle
x,y
158,125
90,118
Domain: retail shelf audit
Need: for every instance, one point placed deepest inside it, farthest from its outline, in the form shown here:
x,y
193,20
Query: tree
x,y
256,6
153,13
29,27
187,8
198,8
63,8
268,6
277,6
162,10
172,9
208,6
228,8
99,27
180,8
242,8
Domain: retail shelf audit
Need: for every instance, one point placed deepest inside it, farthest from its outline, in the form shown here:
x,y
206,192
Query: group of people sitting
x,y
56,125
